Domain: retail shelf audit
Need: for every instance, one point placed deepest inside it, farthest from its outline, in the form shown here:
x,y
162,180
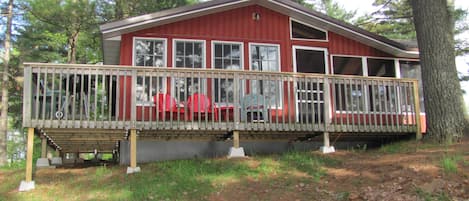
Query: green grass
x,y
169,180
397,147
406,147
449,164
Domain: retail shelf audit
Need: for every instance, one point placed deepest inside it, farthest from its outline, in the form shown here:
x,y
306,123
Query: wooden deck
x,y
79,108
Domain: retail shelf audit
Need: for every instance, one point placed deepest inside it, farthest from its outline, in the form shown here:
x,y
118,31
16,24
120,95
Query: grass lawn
x,y
398,171
170,180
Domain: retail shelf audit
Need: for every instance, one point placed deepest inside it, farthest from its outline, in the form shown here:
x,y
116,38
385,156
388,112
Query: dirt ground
x,y
415,174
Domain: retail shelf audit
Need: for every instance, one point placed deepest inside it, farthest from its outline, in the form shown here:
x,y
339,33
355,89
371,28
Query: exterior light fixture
x,y
256,16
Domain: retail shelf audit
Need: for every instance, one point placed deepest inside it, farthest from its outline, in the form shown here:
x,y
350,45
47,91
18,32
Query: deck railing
x,y
119,97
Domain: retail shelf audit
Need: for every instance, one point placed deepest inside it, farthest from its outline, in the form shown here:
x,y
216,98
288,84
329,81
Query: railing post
x,y
27,92
418,132
326,148
236,100
133,100
327,105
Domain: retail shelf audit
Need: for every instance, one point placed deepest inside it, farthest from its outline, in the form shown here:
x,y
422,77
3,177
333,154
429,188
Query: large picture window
x,y
266,58
149,52
189,54
226,55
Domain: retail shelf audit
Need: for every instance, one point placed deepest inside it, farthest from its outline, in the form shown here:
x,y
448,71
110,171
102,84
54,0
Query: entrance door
x,y
309,92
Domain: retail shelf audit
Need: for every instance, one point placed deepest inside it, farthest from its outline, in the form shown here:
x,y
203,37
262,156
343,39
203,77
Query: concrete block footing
x,y
131,170
26,186
327,150
56,161
236,152
42,162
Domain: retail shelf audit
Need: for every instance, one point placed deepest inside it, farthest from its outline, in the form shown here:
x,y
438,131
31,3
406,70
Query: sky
x,y
462,63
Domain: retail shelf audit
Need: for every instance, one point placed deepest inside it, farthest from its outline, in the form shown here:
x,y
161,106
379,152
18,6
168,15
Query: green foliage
x,y
393,20
330,8
397,147
449,163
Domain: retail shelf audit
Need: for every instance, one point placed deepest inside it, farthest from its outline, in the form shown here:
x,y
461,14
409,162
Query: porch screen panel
x,y
266,58
226,56
149,52
382,98
349,66
189,54
412,69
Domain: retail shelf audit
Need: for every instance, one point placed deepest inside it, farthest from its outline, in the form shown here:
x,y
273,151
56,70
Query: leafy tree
x,y
394,19
59,21
120,9
443,97
330,8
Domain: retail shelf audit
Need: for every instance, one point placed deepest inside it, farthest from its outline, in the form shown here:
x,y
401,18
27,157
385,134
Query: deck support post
x,y
57,159
327,148
28,183
43,161
418,132
236,151
133,152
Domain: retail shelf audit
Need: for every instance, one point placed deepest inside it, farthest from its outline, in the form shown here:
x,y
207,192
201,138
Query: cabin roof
x,y
112,31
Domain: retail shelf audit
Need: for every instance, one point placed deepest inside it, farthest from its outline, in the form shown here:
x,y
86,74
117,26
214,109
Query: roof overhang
x,y
114,30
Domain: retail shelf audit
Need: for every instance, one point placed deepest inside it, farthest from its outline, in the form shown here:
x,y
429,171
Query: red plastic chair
x,y
166,105
200,104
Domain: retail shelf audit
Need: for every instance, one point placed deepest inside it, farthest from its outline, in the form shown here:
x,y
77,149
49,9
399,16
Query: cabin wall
x,y
238,25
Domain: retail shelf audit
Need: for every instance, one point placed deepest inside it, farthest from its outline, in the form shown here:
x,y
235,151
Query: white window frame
x,y
204,63
309,25
165,63
212,56
365,74
326,72
250,45
398,65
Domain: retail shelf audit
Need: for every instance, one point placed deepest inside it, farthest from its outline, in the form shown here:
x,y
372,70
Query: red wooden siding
x,y
339,44
237,25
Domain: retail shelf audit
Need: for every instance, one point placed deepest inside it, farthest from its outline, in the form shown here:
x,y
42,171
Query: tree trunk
x,y
5,79
72,50
443,96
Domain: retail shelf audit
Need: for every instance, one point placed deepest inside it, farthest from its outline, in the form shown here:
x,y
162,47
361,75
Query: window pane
x,y
218,50
227,51
235,51
179,61
149,52
347,65
265,58
235,64
302,31
189,49
218,63
381,68
179,48
159,61
198,49
159,49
